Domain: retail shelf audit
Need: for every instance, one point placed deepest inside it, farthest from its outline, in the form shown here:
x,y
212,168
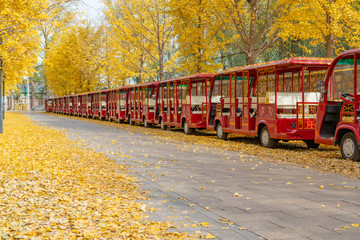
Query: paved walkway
x,y
239,196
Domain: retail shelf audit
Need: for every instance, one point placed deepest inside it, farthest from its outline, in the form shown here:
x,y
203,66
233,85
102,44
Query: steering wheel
x,y
347,97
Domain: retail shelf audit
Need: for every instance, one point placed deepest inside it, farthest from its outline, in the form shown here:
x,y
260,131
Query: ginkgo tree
x,y
20,39
250,24
198,35
332,23
73,62
144,30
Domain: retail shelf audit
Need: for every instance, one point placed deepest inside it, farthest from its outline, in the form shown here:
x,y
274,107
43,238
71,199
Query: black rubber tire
x,y
187,129
162,125
146,124
311,144
349,147
131,122
220,132
266,140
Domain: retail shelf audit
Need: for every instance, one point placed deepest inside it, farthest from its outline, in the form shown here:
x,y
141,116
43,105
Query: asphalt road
x,y
239,196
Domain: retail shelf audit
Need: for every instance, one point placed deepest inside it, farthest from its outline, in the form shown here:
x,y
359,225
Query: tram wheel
x,y
146,123
311,144
162,125
220,132
349,147
266,140
187,129
131,122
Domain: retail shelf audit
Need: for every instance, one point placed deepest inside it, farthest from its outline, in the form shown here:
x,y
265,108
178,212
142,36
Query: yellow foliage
x,y
72,64
140,32
250,24
328,22
19,24
199,35
52,189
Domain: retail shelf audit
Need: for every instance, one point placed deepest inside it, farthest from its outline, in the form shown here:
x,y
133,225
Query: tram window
x,y
171,92
178,89
216,91
225,87
164,91
239,87
184,91
343,80
198,89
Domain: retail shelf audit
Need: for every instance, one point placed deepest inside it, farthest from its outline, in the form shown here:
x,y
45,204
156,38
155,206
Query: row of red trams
x,y
280,100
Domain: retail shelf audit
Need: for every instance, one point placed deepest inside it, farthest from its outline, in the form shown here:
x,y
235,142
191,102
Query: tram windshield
x,y
342,83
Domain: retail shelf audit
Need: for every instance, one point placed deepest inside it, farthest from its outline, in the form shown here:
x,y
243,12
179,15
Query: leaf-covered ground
x,y
325,158
52,189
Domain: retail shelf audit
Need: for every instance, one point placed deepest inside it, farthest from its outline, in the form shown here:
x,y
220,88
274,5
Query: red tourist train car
x,y
276,100
85,104
117,104
182,102
56,105
99,104
49,105
339,115
68,105
62,105
142,103
176,102
75,105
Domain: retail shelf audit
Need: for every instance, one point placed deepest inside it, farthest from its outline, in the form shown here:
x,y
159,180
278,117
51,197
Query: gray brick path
x,y
189,184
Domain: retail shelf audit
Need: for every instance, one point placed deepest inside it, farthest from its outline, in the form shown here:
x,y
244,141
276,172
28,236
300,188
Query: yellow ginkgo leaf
x,y
209,236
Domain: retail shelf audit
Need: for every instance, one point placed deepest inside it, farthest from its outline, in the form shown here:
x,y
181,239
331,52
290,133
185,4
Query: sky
x,y
92,8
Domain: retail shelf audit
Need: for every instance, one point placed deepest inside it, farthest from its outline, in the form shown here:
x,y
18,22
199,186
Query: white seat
x,y
293,116
288,100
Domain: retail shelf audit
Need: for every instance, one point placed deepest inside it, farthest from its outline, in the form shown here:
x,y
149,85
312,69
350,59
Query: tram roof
x,y
289,63
197,76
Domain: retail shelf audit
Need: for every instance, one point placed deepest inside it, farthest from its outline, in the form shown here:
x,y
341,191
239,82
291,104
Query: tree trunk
x,y
330,45
161,65
32,91
141,75
46,44
252,32
199,60
330,38
251,59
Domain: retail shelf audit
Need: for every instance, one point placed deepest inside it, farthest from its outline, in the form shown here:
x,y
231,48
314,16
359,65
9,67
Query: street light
x,y
2,115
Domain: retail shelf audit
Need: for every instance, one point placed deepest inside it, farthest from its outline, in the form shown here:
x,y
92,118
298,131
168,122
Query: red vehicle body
x,y
117,104
99,104
338,115
273,101
142,103
177,102
75,105
68,105
56,105
182,102
62,105
49,105
267,100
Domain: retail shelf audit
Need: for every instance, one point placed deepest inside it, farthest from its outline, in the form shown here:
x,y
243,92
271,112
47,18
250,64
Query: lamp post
x,y
2,115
